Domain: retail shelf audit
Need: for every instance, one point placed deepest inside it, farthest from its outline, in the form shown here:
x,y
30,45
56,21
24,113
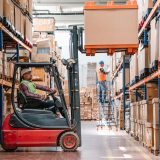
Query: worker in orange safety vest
x,y
102,86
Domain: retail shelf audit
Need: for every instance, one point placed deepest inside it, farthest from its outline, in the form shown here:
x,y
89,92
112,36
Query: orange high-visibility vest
x,y
101,76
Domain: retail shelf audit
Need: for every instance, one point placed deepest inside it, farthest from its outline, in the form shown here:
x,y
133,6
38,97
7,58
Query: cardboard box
x,y
149,135
120,79
17,18
30,7
23,18
8,10
44,44
40,57
152,91
28,29
143,58
138,110
38,74
148,111
140,10
111,27
133,68
156,138
146,4
155,111
155,29
25,4
1,8
44,24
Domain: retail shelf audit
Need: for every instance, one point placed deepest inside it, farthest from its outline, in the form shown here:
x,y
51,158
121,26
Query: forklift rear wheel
x,y
69,141
8,149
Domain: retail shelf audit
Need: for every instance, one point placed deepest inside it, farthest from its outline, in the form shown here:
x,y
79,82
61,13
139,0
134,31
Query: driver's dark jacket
x,y
24,89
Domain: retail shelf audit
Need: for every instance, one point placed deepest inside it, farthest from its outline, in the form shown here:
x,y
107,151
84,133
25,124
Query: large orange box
x,y
111,26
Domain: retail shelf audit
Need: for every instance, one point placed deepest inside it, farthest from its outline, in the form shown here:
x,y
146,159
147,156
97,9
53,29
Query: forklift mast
x,y
73,80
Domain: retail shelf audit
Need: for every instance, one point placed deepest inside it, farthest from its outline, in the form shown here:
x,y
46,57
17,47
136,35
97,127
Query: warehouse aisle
x,y
99,145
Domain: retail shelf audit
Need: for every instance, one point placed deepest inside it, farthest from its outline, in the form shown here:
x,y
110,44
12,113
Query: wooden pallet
x,y
155,152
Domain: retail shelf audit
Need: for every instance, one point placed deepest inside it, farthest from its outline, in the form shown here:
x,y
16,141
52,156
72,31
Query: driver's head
x,y
26,74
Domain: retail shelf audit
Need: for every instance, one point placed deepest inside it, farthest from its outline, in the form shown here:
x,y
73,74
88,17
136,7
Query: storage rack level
x,y
8,41
156,75
123,64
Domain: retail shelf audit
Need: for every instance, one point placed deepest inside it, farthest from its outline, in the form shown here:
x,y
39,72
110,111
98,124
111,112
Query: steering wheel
x,y
50,94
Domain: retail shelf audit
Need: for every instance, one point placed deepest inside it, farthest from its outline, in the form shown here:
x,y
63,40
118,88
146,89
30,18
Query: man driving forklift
x,y
34,100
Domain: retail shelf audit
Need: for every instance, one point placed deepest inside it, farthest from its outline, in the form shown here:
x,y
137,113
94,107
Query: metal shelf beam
x,y
145,80
4,29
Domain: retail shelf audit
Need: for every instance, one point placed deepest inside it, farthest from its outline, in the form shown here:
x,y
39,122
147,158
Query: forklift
x,y
40,128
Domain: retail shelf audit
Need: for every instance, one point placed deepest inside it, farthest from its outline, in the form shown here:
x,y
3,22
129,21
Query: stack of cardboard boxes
x,y
144,118
19,14
45,47
88,104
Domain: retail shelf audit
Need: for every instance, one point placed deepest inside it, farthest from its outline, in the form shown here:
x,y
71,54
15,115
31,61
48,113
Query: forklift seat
x,y
41,118
36,111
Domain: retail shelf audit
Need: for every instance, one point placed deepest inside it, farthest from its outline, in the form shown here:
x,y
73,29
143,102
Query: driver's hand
x,y
43,97
53,91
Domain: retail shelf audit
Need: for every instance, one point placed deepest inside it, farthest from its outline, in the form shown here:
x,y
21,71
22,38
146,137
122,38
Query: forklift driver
x,y
36,101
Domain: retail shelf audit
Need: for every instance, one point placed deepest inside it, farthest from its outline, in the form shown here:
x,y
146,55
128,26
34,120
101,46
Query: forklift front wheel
x,y
8,149
69,141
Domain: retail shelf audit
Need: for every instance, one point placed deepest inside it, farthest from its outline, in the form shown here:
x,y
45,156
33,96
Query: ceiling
x,y
65,12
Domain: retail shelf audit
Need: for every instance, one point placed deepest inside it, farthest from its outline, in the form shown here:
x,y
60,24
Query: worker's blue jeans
x,y
102,90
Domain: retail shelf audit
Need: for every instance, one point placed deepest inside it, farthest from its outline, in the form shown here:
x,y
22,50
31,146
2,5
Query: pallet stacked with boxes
x,y
143,118
88,104
45,47
16,20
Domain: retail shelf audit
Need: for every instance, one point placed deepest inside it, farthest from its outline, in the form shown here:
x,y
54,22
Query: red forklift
x,y
40,128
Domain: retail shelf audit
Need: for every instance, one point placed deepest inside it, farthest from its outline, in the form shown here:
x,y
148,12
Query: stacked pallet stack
x,y
119,117
144,118
88,104
45,48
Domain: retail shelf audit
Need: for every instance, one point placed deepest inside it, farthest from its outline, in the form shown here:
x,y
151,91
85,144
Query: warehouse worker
x,y
102,86
34,100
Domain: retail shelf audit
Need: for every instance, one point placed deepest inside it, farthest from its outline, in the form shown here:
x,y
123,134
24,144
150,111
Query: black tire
x,y
8,149
72,146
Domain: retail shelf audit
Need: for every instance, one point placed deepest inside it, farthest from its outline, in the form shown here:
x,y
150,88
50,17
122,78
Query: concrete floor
x,y
97,145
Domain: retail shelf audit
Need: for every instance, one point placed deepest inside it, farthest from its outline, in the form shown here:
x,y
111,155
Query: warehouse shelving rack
x,y
9,41
155,76
123,64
